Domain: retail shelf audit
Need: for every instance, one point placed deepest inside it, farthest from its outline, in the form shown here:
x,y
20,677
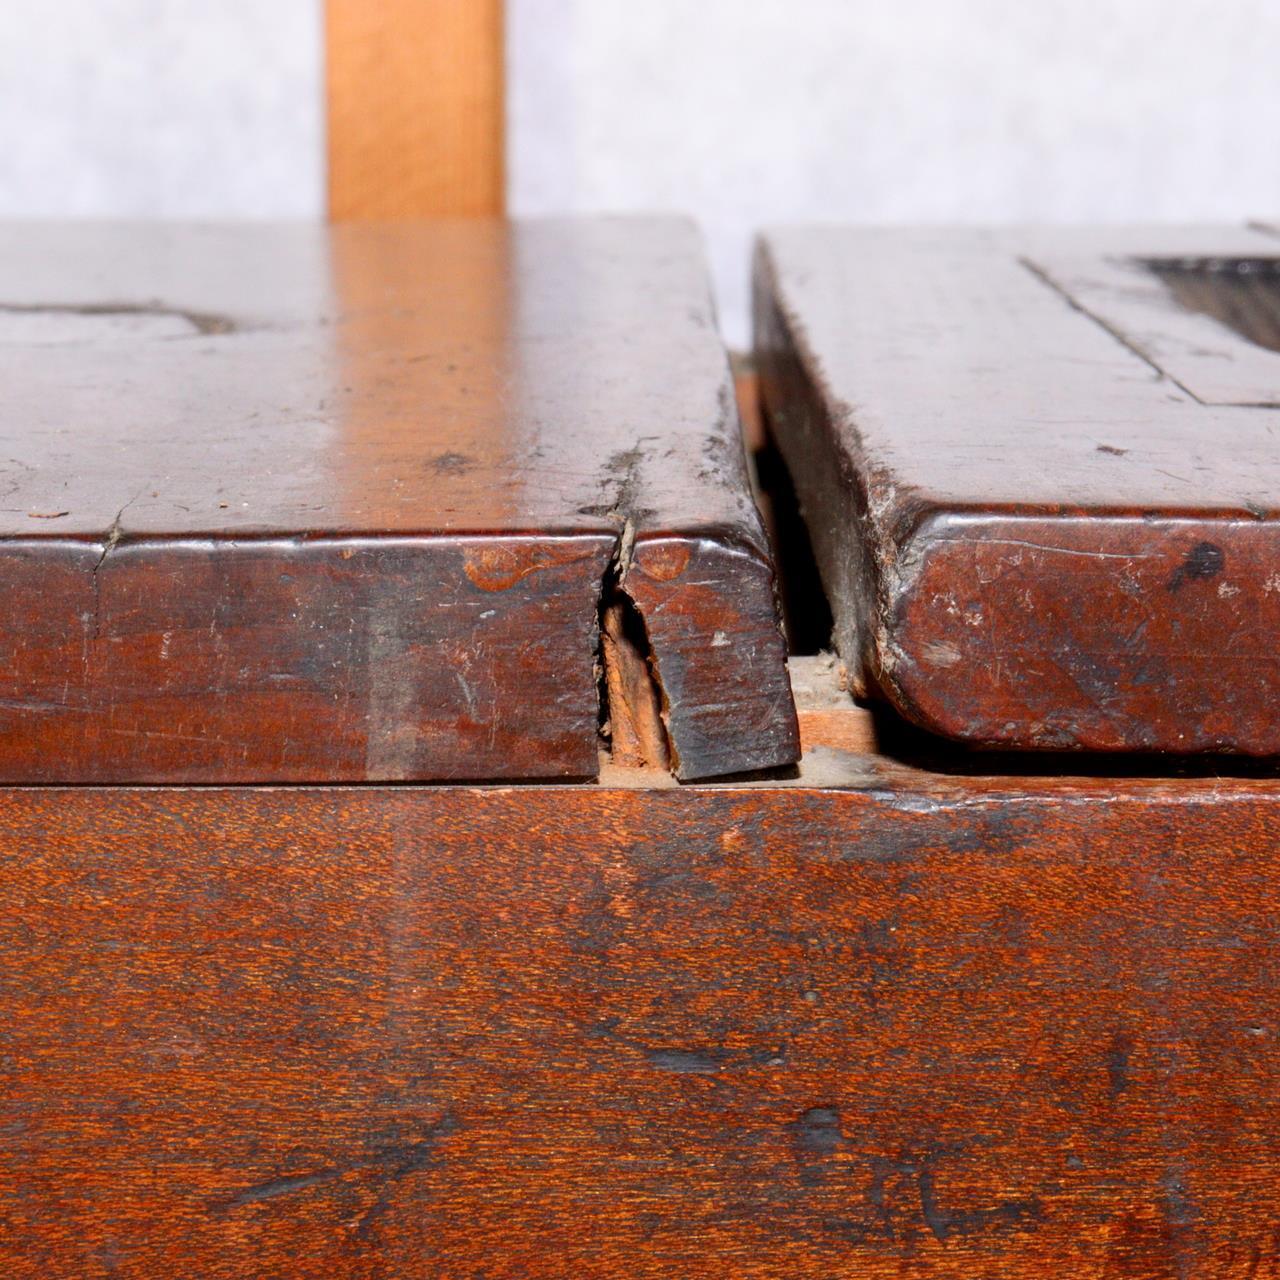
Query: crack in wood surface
x,y
632,698
109,544
203,322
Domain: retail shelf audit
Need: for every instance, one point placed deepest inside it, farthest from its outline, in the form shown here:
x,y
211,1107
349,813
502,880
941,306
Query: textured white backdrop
x,y
171,108
739,111
751,111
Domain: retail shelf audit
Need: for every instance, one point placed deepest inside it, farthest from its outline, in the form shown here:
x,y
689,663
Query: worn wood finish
x,y
1041,477
902,1026
298,503
414,91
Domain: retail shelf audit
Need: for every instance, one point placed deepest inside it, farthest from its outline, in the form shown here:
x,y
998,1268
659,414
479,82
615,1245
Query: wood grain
x,y
903,1026
415,108
1043,491
304,503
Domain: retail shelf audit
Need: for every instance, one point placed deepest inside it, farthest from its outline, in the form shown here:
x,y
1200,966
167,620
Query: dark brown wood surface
x,y
900,1026
302,503
1041,477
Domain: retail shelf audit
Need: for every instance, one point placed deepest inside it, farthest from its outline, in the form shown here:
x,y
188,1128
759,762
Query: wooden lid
x,y
300,503
1042,475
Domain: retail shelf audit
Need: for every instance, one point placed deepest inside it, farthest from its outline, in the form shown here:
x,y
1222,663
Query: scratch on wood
x,y
114,534
395,1160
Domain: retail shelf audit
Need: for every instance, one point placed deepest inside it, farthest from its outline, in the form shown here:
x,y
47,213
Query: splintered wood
x,y
637,735
228,557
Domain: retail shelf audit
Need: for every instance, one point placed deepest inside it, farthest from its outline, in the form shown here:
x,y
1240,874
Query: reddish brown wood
x,y
1041,477
301,503
904,1026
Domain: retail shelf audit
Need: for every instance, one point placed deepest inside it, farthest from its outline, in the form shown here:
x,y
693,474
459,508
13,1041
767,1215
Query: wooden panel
x,y
415,108
304,503
904,1027
1033,535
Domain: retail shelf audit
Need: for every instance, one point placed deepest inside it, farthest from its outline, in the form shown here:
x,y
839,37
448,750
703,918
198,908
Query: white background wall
x,y
740,111
175,108
751,111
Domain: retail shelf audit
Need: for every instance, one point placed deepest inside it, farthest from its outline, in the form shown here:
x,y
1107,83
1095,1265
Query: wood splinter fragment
x,y
637,734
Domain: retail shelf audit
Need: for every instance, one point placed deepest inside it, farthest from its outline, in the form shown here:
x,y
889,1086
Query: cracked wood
x,y
1040,475
299,503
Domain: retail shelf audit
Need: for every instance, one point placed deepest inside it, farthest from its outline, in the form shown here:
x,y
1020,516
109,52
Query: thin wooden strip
x,y
415,108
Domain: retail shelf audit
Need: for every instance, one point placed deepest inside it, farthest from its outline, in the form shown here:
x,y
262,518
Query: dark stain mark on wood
x,y
1008,1215
283,1186
686,1061
817,1132
401,1159
1241,293
1119,1051
818,1139
451,460
1205,560
391,1161
919,1174
1179,1208
708,1061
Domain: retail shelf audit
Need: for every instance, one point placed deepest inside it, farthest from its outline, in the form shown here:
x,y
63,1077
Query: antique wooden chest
x,y
423,857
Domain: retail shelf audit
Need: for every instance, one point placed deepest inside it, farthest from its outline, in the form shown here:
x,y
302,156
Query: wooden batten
x,y
415,108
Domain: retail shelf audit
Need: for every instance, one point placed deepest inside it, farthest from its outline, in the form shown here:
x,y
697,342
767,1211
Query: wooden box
x,y
471,886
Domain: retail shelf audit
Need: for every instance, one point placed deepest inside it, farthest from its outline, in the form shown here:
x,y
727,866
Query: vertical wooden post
x,y
415,108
